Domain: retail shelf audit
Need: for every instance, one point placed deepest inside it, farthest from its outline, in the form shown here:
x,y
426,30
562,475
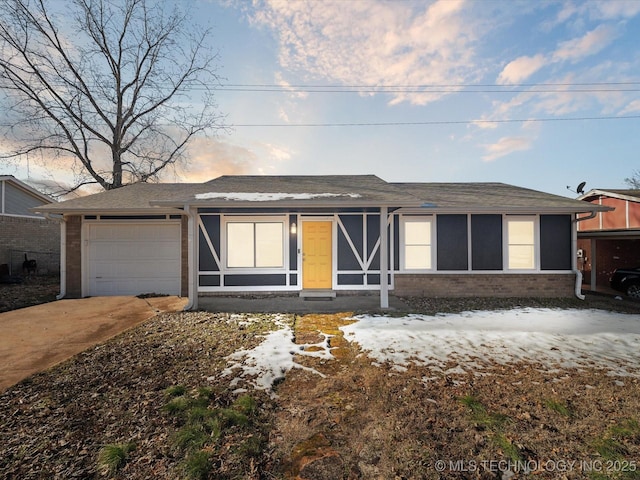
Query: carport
x,y
611,239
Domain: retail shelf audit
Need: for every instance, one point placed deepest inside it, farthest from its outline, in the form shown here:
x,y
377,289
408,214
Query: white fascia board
x,y
120,211
501,210
606,193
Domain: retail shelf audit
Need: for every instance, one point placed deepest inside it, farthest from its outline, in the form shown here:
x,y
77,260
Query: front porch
x,y
294,303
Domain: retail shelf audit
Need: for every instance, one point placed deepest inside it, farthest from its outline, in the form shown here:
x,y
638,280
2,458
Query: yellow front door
x,y
316,255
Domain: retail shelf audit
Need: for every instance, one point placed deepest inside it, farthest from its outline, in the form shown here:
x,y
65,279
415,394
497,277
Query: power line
x,y
388,90
551,87
427,85
431,122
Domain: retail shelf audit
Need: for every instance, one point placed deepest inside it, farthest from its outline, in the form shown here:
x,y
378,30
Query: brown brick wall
x,y
485,285
185,256
74,257
39,238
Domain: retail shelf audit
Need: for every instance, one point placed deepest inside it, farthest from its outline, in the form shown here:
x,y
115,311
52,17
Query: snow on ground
x,y
474,340
269,362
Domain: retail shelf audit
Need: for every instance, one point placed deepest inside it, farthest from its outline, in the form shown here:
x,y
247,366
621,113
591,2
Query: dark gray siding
x,y
452,242
486,242
555,242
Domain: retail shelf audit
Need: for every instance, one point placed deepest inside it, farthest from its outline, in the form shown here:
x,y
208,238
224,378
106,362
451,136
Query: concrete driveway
x,y
35,338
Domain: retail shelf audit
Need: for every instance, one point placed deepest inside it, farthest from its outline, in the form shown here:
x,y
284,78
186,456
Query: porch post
x,y
192,235
384,259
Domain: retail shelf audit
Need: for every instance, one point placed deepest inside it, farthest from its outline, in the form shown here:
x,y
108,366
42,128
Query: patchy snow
x,y
475,340
270,197
269,362
469,342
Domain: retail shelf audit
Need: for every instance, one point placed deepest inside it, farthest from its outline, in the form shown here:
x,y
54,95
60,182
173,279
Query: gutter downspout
x,y
574,246
192,303
63,253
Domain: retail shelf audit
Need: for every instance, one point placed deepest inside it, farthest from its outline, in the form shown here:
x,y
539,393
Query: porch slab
x,y
296,304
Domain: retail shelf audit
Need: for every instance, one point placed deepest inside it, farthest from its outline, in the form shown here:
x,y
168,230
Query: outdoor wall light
x,y
294,228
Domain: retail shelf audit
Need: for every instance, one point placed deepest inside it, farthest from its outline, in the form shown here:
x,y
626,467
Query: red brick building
x,y
610,239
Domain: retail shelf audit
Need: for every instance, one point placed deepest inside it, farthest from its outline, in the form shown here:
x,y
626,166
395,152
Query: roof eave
x,y
112,211
512,209
607,193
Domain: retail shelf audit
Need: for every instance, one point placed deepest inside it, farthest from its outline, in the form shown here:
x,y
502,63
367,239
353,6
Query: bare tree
x,y
634,180
119,86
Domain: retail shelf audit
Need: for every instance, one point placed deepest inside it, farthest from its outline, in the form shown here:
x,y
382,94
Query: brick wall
x,y
485,285
74,257
40,238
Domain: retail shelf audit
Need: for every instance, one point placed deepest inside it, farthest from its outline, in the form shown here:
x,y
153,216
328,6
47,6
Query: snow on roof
x,y
473,341
270,197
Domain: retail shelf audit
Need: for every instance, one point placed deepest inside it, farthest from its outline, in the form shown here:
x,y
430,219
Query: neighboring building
x,y
611,239
320,234
24,232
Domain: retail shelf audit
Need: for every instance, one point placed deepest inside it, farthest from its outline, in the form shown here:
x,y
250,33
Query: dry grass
x,y
387,423
382,422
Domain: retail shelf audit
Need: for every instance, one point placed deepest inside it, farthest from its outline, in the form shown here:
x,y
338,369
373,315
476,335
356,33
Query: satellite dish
x,y
579,190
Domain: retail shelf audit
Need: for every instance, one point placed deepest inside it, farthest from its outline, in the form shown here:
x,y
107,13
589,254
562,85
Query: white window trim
x,y
536,243
225,220
433,246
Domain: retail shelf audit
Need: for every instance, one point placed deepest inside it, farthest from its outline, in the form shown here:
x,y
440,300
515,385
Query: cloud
x,y
521,68
572,50
373,43
209,158
632,107
589,44
505,146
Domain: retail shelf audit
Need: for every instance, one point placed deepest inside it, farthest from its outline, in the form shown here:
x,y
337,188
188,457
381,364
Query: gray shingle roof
x,y
498,196
300,190
326,190
135,197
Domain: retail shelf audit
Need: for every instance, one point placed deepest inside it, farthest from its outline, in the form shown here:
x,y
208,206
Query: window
x,y
521,243
255,244
417,243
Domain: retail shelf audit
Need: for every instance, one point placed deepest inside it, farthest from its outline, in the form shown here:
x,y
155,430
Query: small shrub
x,y
205,392
508,449
230,417
197,465
113,457
559,407
628,429
610,449
175,391
198,414
177,405
481,416
245,404
191,437
212,425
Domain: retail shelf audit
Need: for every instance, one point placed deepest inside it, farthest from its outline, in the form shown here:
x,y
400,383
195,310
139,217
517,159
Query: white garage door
x,y
131,259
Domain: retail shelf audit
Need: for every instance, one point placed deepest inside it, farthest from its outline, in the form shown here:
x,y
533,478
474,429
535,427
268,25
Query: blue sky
x,y
450,63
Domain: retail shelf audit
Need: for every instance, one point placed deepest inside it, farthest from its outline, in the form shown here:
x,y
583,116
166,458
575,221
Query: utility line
x,y
387,90
432,122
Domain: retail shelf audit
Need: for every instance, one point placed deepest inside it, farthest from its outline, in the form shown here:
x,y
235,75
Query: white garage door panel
x,y
130,259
